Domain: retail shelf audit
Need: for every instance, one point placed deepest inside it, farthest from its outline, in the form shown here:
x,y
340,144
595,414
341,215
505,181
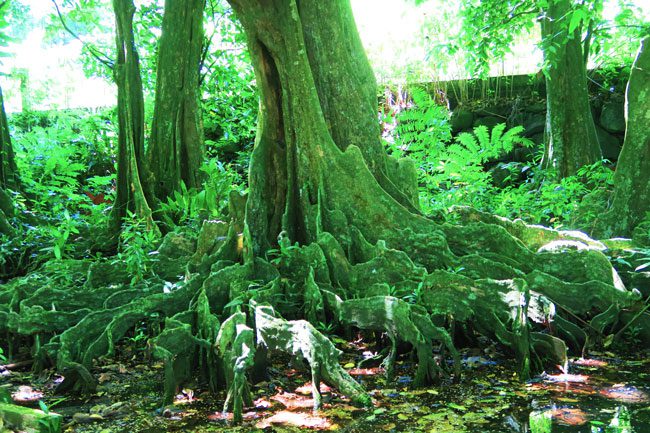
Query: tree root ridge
x,y
499,279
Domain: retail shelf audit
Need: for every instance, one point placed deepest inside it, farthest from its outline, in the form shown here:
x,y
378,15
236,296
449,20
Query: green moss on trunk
x,y
571,141
130,108
630,202
175,152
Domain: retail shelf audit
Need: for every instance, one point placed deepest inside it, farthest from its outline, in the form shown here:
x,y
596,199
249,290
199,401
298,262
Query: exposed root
x,y
499,278
402,322
299,338
237,347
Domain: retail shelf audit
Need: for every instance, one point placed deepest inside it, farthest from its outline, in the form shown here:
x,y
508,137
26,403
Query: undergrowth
x,y
474,169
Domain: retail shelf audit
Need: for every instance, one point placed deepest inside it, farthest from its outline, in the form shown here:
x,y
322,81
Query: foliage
x,y
616,40
60,235
560,204
643,259
90,22
422,130
62,156
136,247
230,111
463,161
490,29
460,171
65,160
189,206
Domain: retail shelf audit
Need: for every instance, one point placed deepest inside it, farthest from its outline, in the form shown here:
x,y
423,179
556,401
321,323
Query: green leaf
x,y
456,406
577,17
43,406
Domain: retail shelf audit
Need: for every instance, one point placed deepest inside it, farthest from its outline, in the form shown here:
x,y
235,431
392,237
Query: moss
x,y
27,419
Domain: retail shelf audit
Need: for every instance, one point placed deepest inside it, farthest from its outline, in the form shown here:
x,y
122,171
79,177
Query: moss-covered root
x,y
187,342
301,339
237,348
176,347
402,322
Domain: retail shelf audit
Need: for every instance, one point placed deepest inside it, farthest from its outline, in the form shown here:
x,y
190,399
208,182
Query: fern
x,y
422,129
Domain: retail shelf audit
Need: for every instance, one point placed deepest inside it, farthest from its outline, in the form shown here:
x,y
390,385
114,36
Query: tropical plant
x,y
137,247
191,205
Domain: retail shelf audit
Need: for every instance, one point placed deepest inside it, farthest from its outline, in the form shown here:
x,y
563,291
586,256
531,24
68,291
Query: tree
x,y
630,200
175,151
329,232
570,135
9,179
308,189
130,195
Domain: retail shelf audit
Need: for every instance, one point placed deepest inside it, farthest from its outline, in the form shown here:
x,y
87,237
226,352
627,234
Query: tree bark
x,y
302,181
8,172
175,152
571,141
130,107
630,201
8,169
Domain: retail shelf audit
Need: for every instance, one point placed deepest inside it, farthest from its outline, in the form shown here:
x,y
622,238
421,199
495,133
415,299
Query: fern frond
x,y
497,133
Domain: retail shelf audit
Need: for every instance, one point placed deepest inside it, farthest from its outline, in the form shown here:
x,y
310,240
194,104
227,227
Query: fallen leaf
x,y
306,389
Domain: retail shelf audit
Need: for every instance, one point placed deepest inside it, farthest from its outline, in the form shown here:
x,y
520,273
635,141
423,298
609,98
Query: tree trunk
x,y
630,202
8,172
571,141
175,152
302,181
8,169
6,212
130,107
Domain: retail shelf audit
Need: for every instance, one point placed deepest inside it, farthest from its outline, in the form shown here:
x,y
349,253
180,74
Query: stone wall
x,y
520,100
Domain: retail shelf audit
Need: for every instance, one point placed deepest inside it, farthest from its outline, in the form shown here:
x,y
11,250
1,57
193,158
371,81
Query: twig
x,y
101,57
19,364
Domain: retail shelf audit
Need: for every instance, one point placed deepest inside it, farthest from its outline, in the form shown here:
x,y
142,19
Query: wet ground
x,y
603,393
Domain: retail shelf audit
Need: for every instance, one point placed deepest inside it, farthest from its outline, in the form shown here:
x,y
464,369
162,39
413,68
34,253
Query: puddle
x,y
597,395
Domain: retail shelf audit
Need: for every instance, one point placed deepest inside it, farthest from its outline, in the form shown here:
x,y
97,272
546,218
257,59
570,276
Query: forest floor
x,y
605,393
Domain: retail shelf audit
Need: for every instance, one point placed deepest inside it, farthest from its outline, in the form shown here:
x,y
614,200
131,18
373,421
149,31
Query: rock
x,y
612,117
610,145
29,420
489,121
534,125
115,410
502,111
539,107
528,154
461,119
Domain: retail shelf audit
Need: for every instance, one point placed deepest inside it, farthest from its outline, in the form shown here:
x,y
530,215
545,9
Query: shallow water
x,y
603,394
